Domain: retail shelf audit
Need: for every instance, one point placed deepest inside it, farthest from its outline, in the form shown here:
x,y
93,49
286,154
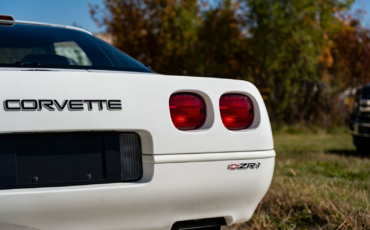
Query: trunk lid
x,y
144,99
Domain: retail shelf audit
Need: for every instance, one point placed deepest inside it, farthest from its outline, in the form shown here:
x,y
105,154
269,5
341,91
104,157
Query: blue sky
x,y
363,5
64,12
67,12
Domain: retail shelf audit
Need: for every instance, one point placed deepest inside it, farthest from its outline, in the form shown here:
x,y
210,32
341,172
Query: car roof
x,y
11,20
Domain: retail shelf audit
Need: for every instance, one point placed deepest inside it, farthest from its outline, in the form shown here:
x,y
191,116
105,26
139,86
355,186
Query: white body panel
x,y
144,108
185,172
177,191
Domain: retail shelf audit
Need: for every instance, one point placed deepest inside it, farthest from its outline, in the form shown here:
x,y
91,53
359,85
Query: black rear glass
x,y
35,46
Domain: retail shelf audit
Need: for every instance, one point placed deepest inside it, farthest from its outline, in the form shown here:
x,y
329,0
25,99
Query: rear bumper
x,y
360,129
173,188
361,134
361,141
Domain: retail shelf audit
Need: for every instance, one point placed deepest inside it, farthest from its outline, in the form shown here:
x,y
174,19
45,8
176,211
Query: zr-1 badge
x,y
243,166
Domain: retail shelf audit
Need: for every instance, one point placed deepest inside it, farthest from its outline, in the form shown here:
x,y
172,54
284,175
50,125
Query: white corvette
x,y
92,139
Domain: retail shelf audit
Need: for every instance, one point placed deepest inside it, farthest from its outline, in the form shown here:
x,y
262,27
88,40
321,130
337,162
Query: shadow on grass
x,y
348,153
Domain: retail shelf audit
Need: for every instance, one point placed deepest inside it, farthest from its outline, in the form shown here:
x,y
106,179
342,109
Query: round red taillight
x,y
188,111
236,111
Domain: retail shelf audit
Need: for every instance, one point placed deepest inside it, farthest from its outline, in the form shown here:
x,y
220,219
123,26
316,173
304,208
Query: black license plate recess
x,y
60,159
39,160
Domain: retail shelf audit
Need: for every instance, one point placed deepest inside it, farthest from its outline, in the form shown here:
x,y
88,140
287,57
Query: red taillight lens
x,y
188,111
236,111
6,18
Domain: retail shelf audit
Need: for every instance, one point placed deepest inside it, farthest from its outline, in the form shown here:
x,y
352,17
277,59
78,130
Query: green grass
x,y
319,183
313,143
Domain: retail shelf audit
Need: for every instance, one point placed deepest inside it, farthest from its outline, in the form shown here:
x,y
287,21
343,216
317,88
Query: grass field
x,y
319,183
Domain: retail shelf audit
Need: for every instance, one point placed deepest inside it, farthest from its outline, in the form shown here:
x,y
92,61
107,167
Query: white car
x,y
92,139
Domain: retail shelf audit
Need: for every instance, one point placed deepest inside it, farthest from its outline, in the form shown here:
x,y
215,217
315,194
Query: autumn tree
x,y
289,38
223,49
300,54
159,33
351,51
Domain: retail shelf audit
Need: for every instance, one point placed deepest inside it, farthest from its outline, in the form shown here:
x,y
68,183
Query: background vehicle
x,y
92,139
361,124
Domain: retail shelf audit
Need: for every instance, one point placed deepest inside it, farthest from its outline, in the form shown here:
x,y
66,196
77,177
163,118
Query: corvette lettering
x,y
241,166
52,105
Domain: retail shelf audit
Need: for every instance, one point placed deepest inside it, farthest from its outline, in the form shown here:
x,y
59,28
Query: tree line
x,y
302,55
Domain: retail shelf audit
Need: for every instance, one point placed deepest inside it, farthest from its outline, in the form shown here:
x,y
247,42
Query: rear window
x,y
36,46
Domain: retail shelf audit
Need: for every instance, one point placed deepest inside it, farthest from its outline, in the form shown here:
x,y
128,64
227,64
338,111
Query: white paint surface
x,y
185,173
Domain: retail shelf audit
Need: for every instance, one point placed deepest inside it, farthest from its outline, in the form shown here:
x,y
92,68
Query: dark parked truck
x,y
360,125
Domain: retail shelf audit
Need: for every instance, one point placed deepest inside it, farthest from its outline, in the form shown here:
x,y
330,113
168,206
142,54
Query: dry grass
x,y
319,183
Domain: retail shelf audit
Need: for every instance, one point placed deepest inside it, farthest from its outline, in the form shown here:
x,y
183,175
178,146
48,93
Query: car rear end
x,y
360,126
88,148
